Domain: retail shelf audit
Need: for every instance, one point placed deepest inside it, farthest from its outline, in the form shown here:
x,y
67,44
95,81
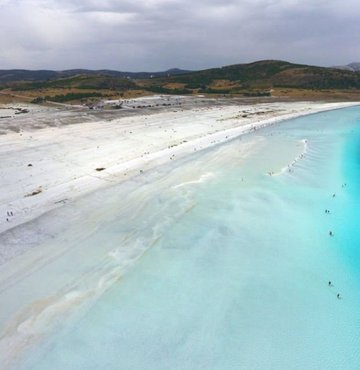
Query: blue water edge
x,y
244,256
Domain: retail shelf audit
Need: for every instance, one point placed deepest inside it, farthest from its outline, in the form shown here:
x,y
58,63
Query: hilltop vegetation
x,y
79,82
249,80
13,75
266,75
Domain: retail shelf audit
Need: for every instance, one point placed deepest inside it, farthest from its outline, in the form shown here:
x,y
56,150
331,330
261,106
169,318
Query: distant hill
x,y
354,67
267,74
258,79
14,75
261,74
26,75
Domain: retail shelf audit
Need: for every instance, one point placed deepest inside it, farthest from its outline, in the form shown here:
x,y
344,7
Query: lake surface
x,y
220,261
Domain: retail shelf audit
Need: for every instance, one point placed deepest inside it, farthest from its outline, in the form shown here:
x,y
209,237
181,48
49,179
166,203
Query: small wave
x,y
288,168
206,176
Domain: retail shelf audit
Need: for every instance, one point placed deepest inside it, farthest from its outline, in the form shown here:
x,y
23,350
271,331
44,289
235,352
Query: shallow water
x,y
234,265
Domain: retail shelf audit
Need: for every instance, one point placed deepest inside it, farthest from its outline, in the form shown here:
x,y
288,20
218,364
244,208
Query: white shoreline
x,y
156,142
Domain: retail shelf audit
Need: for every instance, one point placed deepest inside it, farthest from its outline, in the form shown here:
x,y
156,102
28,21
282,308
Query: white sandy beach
x,y
41,169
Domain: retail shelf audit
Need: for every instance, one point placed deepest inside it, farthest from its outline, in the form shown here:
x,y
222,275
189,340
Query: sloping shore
x,y
43,169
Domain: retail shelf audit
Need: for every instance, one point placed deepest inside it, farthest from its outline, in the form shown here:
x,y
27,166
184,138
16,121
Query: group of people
x,y
9,214
338,296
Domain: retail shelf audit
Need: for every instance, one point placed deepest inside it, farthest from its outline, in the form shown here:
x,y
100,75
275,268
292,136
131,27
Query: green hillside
x,y
267,74
258,79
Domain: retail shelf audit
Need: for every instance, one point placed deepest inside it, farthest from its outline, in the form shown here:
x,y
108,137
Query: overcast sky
x,y
151,35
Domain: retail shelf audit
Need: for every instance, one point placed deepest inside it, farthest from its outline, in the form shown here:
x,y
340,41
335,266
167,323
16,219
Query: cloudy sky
x,y
153,35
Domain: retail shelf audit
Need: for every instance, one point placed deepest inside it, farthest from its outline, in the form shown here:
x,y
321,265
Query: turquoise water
x,y
235,263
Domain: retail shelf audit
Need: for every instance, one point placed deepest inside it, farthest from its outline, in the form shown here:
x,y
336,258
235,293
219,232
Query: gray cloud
x,y
159,34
